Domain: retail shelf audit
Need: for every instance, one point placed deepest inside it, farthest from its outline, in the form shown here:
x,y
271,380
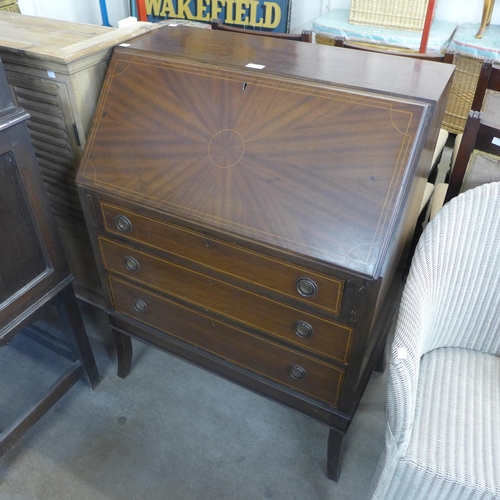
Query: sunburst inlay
x,y
226,148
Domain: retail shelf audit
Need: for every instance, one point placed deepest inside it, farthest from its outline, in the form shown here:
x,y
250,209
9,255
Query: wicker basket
x,y
462,93
9,6
405,15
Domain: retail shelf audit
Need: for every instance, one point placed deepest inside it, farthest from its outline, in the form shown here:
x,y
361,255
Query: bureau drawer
x,y
293,325
293,281
281,364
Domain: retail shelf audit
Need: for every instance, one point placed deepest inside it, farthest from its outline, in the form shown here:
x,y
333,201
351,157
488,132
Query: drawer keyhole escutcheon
x,y
306,287
131,264
140,306
297,372
123,224
303,329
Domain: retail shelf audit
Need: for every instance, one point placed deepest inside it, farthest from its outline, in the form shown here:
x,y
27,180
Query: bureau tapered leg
x,y
123,352
334,454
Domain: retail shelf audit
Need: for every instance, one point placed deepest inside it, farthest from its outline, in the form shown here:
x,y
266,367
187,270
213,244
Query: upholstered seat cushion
x,y
456,433
335,23
465,43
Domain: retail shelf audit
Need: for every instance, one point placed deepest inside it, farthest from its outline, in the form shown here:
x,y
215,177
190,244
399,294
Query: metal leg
x,y
486,18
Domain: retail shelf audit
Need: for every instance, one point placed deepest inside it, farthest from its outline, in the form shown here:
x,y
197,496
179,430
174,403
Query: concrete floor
x,y
171,431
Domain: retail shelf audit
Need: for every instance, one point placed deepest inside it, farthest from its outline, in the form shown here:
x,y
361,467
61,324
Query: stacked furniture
x,y
34,275
469,55
476,156
338,27
250,201
335,25
55,71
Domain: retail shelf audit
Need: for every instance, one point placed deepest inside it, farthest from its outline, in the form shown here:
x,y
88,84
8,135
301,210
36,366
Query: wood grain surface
x,y
307,167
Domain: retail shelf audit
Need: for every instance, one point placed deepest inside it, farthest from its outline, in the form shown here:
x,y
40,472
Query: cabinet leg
x,y
72,323
123,352
334,454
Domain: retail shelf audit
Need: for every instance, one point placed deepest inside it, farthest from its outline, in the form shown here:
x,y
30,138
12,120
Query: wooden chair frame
x,y
476,134
305,36
342,42
77,349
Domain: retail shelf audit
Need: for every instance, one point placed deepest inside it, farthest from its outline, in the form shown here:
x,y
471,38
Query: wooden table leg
x,y
72,323
123,352
334,454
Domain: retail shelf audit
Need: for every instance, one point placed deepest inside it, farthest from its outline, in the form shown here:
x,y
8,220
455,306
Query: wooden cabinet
x,y
250,201
34,273
55,71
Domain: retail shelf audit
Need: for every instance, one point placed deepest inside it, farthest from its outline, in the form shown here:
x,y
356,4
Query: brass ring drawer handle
x,y
123,224
132,264
297,372
306,287
140,306
303,329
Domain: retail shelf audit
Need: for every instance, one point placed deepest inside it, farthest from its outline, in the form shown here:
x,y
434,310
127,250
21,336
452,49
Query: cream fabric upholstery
x,y
443,408
441,143
438,196
481,169
429,189
490,110
442,187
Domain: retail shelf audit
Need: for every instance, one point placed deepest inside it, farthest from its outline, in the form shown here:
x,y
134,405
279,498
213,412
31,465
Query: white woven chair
x,y
443,408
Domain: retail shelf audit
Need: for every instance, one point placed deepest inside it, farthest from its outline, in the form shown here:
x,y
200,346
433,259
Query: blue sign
x,y
252,14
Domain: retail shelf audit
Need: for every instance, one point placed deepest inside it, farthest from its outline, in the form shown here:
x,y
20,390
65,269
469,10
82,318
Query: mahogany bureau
x,y
249,202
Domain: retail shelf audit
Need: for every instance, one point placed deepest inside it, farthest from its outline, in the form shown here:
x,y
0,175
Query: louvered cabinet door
x,y
56,147
56,137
